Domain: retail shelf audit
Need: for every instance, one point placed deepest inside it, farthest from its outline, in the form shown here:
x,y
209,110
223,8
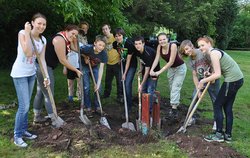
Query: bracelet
x,y
46,78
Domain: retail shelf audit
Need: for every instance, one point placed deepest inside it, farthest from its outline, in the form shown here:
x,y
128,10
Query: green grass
x,y
241,128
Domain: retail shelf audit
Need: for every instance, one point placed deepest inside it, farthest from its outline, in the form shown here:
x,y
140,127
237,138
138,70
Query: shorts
x,y
71,74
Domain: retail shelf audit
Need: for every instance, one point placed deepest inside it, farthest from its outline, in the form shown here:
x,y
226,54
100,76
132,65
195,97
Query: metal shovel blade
x,y
129,125
84,118
104,121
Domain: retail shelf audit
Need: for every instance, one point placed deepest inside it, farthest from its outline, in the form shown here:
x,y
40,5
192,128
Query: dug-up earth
x,y
78,139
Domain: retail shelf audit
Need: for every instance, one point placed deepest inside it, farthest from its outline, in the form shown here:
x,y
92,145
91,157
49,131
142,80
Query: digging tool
x,y
103,119
58,120
127,124
83,117
138,122
191,112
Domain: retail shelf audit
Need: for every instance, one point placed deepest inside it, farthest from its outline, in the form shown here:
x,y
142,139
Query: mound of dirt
x,y
79,139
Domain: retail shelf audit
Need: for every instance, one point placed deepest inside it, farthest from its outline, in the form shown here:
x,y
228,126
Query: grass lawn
x,y
241,128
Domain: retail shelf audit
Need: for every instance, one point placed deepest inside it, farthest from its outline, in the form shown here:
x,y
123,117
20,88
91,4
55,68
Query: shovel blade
x,y
104,122
182,129
129,125
84,118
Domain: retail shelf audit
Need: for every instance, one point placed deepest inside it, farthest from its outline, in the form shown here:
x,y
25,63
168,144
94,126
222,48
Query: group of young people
x,y
119,54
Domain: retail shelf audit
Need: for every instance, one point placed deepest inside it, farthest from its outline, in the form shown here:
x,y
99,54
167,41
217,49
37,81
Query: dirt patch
x,y
78,139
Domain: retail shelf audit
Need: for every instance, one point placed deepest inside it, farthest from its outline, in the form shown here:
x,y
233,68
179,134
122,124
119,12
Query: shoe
x,y
38,118
20,143
98,111
217,137
70,99
29,136
227,138
89,112
191,121
214,126
120,100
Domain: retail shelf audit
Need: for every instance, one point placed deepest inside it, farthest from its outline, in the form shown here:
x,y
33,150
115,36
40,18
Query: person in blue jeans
x,y
124,46
97,57
200,64
24,73
146,55
225,66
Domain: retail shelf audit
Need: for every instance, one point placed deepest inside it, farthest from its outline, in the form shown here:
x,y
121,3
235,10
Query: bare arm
x,y
25,40
171,60
195,78
215,58
59,45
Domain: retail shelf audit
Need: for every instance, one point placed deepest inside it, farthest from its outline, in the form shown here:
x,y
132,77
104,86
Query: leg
x,y
95,72
70,89
86,85
128,86
108,81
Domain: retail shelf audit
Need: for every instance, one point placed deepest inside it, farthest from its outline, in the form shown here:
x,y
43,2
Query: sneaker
x,y
216,137
89,112
173,113
214,126
20,143
227,138
29,136
38,118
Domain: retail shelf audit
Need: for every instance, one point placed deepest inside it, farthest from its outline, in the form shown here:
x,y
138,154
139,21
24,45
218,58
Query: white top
x,y
73,59
25,66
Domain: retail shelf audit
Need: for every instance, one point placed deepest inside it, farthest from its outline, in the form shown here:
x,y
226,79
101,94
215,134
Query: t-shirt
x,y
113,55
178,61
25,66
200,64
95,58
129,46
147,58
72,57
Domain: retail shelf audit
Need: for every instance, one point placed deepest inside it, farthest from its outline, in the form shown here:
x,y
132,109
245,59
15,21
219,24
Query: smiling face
x,y
119,38
163,40
139,45
188,50
99,46
204,46
39,25
71,35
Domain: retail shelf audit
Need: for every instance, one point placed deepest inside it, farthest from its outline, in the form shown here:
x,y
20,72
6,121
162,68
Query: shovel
x,y
138,122
83,117
191,112
127,124
103,119
58,120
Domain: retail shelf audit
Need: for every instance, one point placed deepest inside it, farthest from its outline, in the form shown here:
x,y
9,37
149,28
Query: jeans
x,y
176,77
128,86
24,87
86,85
111,72
213,91
225,100
42,93
149,87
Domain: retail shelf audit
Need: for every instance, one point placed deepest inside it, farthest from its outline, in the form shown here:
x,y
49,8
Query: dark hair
x,y
84,23
206,39
183,45
101,38
139,38
119,31
162,33
107,25
71,27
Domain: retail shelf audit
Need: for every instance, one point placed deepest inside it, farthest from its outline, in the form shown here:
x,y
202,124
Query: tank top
x,y
178,61
50,55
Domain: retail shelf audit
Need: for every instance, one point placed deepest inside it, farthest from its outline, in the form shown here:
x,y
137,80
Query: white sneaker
x,y
19,142
29,136
214,126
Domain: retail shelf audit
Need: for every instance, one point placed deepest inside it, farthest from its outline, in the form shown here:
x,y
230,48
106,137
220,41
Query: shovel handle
x,y
139,97
44,76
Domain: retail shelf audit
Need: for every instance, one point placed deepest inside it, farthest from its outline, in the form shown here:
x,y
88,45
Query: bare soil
x,y
78,139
